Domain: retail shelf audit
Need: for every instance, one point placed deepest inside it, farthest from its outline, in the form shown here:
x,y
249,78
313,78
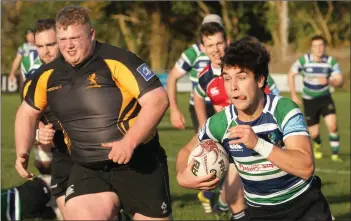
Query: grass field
x,y
335,176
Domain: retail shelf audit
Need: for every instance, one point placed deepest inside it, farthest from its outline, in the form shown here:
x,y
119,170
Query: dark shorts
x,y
60,167
142,186
319,106
209,110
311,206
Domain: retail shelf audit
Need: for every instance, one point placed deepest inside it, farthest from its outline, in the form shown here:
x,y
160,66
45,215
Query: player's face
x,y
242,88
75,42
30,37
47,46
317,48
214,47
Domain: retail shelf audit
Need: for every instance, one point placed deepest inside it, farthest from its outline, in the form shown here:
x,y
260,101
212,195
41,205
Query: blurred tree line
x,y
159,31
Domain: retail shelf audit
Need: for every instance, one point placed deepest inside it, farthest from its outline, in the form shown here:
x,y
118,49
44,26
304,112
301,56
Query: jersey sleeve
x,y
290,118
133,75
297,66
214,128
20,50
36,88
186,61
272,86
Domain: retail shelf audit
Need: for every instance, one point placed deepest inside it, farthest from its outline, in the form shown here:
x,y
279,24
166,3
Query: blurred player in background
x,y
191,62
214,40
268,142
27,58
319,72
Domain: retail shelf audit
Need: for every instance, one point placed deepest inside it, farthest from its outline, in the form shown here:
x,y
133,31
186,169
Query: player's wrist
x,y
264,148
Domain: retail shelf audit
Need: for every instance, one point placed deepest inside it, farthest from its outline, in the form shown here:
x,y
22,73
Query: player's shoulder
x,y
282,105
108,51
205,71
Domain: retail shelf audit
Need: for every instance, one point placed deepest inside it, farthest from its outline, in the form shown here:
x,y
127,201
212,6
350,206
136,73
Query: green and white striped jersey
x,y
30,59
311,70
264,183
192,61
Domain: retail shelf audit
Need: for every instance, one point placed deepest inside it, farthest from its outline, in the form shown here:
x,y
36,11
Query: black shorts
x,y
209,110
142,186
60,167
311,206
319,106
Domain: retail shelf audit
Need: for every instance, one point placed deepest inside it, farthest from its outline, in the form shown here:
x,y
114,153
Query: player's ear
x,y
202,48
228,41
261,81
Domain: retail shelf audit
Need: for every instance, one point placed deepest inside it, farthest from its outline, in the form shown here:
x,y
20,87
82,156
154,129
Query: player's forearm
x,y
15,65
200,109
24,131
291,78
293,162
183,155
172,91
148,118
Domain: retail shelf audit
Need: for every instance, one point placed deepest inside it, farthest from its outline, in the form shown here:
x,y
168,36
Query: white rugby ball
x,y
209,157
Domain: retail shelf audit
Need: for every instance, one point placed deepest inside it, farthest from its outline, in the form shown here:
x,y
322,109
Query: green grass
x,y
336,187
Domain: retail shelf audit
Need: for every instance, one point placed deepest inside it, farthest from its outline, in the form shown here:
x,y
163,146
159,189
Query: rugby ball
x,y
209,157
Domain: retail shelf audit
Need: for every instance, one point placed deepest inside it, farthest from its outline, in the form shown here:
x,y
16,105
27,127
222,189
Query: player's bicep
x,y
36,91
295,134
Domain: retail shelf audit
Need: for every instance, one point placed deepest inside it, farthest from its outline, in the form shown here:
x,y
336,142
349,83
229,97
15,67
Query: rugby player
x,y
267,139
104,98
319,71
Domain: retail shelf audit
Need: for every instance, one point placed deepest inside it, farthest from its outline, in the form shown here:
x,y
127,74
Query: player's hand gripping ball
x,y
209,157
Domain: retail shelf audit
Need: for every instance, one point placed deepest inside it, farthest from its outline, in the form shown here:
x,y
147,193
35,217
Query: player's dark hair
x,y
211,28
319,37
44,24
250,39
248,55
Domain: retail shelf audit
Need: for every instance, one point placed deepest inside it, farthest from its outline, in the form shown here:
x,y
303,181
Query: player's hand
x,y
323,80
121,151
12,78
177,119
22,165
243,134
46,134
296,100
188,180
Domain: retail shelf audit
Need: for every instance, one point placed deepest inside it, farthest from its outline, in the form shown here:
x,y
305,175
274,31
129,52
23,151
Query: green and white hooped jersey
x,y
311,70
193,61
30,59
264,183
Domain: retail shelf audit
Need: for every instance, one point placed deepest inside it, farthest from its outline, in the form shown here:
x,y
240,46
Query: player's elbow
x,y
163,101
308,171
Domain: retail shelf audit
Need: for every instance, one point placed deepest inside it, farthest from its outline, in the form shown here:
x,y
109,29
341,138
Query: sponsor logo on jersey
x,y
309,69
236,147
145,71
93,81
214,91
54,88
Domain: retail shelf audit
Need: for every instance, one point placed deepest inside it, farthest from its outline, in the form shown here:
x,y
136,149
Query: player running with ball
x,y
268,141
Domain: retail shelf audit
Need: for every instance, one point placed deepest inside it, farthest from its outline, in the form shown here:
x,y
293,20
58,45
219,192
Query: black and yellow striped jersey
x,y
95,101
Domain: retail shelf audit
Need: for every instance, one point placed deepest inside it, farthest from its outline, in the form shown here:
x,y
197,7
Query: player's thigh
x,y
89,195
311,111
94,206
144,190
60,172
